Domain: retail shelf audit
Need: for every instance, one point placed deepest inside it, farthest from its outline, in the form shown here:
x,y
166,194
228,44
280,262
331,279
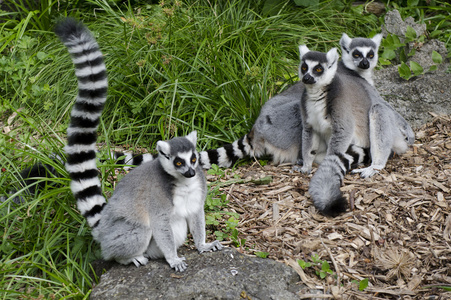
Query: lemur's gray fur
x,y
153,206
340,111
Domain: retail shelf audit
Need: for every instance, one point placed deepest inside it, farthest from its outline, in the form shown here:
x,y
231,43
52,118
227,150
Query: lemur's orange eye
x,y
304,68
193,160
371,55
319,70
178,164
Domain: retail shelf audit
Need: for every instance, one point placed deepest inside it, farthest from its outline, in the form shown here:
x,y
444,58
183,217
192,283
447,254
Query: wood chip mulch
x,y
397,233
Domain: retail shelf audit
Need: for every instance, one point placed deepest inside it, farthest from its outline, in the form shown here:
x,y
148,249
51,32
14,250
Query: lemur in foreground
x,y
340,111
152,206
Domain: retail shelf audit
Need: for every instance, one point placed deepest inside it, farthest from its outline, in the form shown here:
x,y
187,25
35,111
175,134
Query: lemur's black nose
x,y
364,64
308,79
190,173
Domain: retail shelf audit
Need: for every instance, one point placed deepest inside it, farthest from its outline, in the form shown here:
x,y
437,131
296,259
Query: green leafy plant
x,y
321,267
399,51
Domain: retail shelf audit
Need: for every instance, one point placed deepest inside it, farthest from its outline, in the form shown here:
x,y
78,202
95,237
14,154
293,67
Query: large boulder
x,y
225,274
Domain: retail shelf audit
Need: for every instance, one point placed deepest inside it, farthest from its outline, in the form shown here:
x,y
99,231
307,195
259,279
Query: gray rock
x,y
429,93
415,99
226,274
423,53
394,24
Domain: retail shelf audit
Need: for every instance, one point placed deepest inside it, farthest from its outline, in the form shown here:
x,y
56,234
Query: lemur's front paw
x,y
178,264
215,246
368,172
303,169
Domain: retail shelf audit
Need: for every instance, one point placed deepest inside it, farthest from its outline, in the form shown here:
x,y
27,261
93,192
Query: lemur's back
x,y
351,102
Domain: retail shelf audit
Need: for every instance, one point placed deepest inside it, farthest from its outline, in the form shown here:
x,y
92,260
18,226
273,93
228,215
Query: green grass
x,y
203,65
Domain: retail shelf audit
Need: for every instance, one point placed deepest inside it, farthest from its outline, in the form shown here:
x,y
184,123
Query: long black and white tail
x,y
225,156
130,159
85,116
326,182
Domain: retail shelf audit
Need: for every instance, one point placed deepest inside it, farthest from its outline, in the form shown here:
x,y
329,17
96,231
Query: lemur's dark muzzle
x,y
364,64
190,173
308,79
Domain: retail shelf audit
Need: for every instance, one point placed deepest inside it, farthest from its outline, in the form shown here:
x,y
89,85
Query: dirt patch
x,y
397,233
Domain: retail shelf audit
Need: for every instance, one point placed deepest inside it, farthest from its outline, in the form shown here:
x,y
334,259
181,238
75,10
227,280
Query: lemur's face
x,y
361,58
185,163
317,68
360,53
178,156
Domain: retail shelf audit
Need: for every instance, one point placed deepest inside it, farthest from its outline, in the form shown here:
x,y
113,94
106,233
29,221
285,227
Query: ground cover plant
x,y
173,67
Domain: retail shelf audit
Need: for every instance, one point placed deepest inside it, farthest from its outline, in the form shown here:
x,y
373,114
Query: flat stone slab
x,y
226,274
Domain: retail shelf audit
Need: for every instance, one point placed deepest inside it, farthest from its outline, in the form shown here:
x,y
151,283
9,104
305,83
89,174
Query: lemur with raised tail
x,y
153,206
338,112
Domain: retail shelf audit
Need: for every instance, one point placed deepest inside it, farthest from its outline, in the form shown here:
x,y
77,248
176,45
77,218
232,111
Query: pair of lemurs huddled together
x,y
334,117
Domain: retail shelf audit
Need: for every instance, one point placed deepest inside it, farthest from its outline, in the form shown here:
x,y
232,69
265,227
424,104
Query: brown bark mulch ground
x,y
397,233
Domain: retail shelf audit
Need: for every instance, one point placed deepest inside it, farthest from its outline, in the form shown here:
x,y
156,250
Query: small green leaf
x,y
384,62
325,266
436,57
262,254
416,68
396,41
388,54
363,284
411,34
404,71
303,264
402,56
433,68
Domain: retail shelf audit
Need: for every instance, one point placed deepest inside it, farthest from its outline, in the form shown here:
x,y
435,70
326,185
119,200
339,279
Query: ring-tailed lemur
x,y
152,206
339,111
277,130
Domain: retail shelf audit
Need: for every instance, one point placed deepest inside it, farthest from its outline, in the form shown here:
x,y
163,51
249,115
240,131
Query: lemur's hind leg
x,y
381,139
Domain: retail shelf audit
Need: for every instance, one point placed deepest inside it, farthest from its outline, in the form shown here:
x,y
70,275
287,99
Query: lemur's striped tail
x,y
85,116
227,155
130,159
326,182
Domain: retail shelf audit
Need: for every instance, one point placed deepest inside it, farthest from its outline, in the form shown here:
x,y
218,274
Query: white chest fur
x,y
188,197
316,113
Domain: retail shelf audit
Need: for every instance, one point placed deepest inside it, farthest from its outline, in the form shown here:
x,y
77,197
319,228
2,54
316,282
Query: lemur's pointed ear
x,y
164,148
377,39
303,49
332,56
192,137
345,42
